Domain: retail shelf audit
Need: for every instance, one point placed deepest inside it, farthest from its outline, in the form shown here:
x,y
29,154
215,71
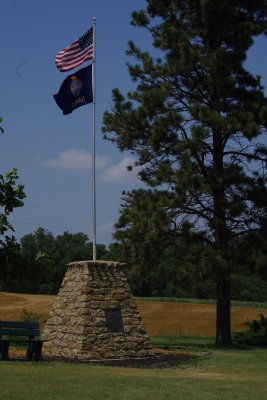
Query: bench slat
x,y
16,324
19,332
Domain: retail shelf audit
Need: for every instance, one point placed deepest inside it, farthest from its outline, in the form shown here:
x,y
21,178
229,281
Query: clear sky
x,y
53,152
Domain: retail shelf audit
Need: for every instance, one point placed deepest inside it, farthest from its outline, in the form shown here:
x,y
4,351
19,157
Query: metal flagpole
x,y
93,152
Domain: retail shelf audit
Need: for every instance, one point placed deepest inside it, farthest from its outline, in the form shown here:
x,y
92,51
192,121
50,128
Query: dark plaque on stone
x,y
114,320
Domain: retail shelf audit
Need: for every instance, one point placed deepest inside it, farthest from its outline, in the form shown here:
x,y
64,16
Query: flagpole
x,y
93,152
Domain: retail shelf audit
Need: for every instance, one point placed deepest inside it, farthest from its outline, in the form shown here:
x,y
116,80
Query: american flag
x,y
76,53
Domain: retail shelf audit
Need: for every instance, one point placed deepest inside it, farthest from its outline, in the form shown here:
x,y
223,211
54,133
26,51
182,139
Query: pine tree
x,y
196,123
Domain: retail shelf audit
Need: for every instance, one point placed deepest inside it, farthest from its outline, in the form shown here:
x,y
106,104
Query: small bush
x,y
256,334
29,316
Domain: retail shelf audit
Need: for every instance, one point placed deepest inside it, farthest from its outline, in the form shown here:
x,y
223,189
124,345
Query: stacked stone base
x,y
77,326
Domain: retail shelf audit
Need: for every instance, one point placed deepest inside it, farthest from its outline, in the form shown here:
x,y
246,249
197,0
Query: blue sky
x,y
53,152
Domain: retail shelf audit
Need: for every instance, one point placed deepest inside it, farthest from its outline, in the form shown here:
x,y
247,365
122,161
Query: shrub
x,y
29,316
256,334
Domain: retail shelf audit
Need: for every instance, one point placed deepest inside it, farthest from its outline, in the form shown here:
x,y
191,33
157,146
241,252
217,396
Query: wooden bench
x,y
28,329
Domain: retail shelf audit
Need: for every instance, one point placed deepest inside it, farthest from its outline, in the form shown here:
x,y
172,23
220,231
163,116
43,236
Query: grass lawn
x,y
216,374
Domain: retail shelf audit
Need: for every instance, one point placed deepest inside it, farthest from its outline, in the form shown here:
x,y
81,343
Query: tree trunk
x,y
223,317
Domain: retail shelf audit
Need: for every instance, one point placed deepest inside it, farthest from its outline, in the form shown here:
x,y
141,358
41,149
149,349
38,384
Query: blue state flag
x,y
75,91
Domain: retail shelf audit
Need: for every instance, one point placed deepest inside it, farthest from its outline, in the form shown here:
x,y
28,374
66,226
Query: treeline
x,y
183,268
184,271
38,263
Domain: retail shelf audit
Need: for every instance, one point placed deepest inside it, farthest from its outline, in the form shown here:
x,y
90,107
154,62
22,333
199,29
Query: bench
x,y
28,329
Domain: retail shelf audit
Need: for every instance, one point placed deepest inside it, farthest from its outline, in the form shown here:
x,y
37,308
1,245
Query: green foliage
x,y
38,265
11,196
248,287
162,264
195,123
29,316
256,335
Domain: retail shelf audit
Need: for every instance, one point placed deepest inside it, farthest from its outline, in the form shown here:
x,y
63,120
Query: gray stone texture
x,y
76,327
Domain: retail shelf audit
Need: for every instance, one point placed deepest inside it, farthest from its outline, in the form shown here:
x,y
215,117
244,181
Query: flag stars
x,y
87,39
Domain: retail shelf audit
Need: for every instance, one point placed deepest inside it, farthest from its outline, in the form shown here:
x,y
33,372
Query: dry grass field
x,y
166,318
160,318
12,305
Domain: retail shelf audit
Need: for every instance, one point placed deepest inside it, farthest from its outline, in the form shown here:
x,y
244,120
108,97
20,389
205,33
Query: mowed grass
x,y
214,374
159,317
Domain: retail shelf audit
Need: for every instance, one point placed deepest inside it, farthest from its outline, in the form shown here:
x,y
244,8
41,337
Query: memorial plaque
x,y
114,320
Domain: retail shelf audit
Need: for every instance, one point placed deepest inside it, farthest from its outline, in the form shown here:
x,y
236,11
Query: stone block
x,y
77,326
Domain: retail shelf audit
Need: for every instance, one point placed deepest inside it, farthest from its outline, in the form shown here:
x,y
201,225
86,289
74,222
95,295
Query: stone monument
x,y
95,316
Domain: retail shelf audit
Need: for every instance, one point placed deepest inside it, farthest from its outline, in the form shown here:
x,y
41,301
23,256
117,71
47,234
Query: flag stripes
x,y
79,51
